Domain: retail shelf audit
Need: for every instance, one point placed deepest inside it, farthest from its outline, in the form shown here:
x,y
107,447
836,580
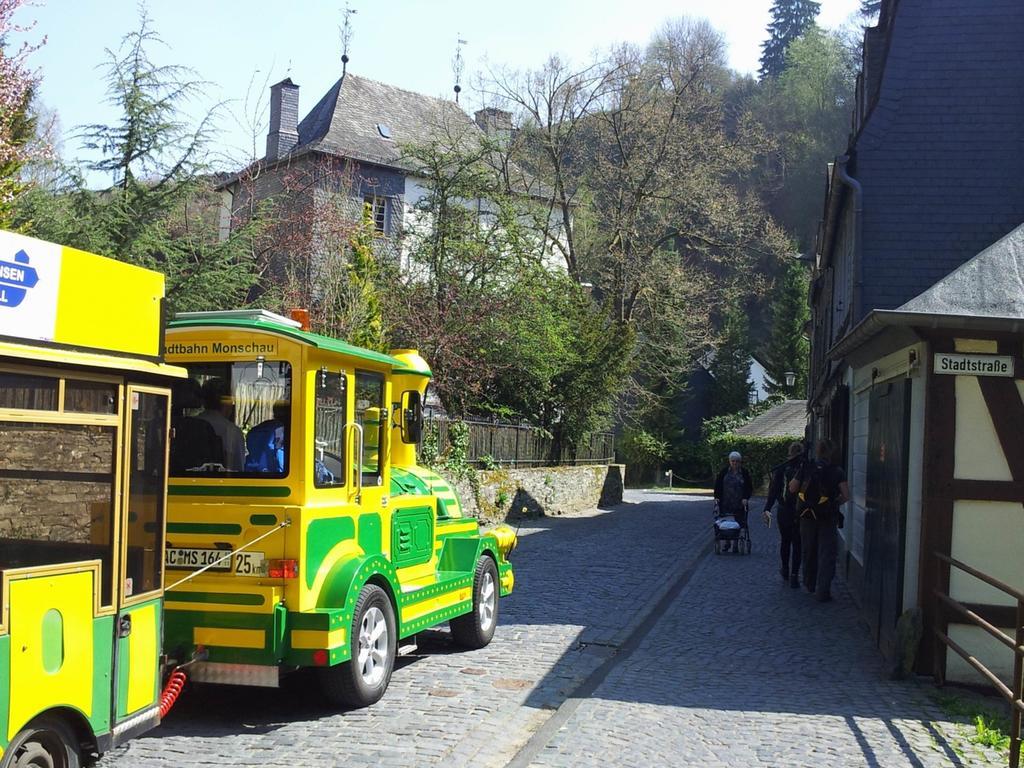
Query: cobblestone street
x,y
735,670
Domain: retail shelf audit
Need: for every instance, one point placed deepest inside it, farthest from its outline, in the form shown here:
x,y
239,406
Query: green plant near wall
x,y
984,726
454,462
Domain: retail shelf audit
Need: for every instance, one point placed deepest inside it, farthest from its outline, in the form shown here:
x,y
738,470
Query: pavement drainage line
x,y
540,739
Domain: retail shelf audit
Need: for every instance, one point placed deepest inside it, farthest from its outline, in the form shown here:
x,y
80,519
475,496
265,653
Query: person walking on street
x,y
786,518
733,488
821,489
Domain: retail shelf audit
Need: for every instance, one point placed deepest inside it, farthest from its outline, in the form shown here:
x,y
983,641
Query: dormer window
x,y
384,131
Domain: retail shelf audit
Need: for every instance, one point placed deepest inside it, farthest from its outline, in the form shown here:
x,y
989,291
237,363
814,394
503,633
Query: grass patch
x,y
987,727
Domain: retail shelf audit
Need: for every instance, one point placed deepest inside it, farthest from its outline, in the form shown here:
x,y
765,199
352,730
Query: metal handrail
x,y
1014,693
357,457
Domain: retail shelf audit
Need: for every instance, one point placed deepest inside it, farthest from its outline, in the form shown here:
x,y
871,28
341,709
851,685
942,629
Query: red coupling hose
x,y
172,691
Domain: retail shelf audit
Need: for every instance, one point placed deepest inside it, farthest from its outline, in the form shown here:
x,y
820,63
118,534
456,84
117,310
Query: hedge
x,y
760,454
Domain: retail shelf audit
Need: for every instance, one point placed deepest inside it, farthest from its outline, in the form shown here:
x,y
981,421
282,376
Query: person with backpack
x,y
733,488
821,489
786,518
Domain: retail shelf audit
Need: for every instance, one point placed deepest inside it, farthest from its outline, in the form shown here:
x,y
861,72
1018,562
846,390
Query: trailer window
x,y
329,430
232,419
90,397
371,414
57,496
25,392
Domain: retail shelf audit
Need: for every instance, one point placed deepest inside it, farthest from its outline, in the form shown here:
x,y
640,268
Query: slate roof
x,y
787,419
344,122
939,156
989,285
985,294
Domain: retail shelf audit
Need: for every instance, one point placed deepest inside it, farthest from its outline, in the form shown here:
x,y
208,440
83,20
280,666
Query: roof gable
x,y
787,419
989,285
345,121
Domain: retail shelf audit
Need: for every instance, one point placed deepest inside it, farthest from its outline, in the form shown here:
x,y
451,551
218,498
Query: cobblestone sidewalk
x,y
744,671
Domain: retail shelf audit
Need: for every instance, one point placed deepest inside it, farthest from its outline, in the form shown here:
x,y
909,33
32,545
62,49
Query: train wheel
x,y
44,743
374,642
475,630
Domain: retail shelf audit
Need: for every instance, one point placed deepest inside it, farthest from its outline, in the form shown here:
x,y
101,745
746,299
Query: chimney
x,y
284,119
494,122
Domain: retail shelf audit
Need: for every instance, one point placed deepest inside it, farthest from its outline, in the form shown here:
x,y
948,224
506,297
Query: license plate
x,y
250,564
183,557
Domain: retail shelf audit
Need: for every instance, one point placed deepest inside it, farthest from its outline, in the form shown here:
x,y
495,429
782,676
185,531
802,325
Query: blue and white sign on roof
x,y
16,279
29,285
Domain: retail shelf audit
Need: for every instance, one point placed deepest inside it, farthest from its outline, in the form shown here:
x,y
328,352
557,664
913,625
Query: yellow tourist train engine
x,y
300,527
84,421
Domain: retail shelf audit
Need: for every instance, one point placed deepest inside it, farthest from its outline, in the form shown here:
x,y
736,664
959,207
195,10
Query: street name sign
x,y
974,365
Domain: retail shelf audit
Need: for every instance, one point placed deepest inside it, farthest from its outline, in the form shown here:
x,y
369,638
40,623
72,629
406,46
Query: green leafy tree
x,y
731,364
788,347
807,110
642,167
790,19
17,122
159,211
505,335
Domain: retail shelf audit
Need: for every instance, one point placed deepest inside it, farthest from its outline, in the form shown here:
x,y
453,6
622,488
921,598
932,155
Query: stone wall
x,y
510,493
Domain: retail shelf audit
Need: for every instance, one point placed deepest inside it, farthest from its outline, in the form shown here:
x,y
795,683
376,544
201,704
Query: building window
x,y
375,209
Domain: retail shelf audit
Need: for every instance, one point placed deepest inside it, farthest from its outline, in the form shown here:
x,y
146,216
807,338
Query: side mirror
x,y
412,416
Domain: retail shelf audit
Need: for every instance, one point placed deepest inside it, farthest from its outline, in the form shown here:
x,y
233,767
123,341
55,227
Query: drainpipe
x,y
858,235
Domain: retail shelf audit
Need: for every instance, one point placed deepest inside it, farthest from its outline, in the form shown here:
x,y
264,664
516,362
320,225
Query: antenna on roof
x,y
458,64
346,37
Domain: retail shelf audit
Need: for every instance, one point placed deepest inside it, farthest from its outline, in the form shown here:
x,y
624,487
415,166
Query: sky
x,y
239,47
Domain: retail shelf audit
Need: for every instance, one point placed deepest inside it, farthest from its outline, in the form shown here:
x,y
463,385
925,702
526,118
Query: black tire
x,y
475,629
356,683
44,743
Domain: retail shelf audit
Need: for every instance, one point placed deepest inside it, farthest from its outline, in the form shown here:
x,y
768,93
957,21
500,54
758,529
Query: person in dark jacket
x,y
786,518
733,489
820,516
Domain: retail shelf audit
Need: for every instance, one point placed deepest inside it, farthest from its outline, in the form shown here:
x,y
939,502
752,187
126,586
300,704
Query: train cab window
x,y
146,478
57,496
232,419
372,415
329,430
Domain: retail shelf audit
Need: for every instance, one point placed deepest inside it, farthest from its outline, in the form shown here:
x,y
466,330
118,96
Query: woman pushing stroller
x,y
733,488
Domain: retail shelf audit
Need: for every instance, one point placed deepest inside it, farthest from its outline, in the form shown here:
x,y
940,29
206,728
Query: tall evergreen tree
x,y
870,8
731,366
790,18
152,215
788,348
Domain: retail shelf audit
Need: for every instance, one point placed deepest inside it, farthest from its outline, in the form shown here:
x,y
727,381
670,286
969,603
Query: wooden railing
x,y
1012,693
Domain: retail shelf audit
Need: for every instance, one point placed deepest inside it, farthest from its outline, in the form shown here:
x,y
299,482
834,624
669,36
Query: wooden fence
x,y
514,445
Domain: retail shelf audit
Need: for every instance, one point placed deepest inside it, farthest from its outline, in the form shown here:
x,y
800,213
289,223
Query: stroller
x,y
729,530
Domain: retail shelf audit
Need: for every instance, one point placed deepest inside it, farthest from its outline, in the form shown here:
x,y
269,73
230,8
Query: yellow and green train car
x,y
84,420
297,453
